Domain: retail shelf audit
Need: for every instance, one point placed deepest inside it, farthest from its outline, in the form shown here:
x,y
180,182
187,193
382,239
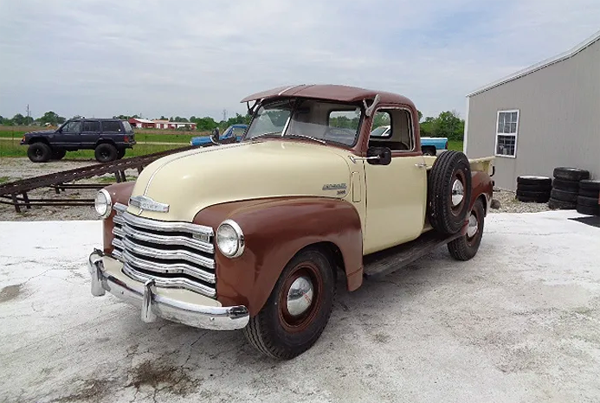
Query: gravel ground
x,y
520,322
21,168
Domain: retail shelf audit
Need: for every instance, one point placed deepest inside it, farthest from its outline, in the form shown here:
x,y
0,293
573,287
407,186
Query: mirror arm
x,y
354,159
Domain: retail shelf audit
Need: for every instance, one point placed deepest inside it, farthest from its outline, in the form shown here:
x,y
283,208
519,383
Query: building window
x,y
507,128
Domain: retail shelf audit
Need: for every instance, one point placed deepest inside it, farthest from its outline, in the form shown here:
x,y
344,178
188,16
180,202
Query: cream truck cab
x,y
253,235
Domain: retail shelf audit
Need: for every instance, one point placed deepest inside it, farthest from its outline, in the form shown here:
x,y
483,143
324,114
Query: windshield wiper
x,y
306,137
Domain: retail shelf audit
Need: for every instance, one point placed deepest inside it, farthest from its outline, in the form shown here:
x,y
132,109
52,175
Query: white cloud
x,y
199,57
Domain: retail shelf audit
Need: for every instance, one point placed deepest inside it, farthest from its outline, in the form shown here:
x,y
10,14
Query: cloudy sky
x,y
192,57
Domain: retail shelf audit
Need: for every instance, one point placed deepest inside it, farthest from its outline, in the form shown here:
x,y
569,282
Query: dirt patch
x,y
163,378
91,390
11,292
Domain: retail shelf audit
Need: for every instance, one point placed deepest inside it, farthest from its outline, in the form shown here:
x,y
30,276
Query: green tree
x,y
50,118
18,119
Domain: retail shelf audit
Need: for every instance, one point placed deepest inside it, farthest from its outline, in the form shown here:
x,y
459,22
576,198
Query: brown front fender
x,y
275,230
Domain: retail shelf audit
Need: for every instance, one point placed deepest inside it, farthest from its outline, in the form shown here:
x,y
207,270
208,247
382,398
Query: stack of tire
x,y
565,187
589,194
534,189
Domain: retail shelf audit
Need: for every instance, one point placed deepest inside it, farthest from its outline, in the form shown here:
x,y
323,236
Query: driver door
x,y
69,135
396,194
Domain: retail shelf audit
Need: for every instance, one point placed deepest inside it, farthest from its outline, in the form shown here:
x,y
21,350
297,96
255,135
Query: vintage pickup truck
x,y
253,235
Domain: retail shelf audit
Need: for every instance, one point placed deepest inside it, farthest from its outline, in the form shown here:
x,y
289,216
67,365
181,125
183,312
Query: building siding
x,y
559,119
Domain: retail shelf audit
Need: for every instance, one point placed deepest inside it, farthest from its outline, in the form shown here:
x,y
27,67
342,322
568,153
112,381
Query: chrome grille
x,y
173,254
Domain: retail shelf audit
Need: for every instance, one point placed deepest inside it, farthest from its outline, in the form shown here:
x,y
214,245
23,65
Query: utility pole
x,y
225,114
28,111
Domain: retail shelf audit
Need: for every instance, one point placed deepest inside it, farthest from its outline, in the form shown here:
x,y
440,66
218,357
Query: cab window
x,y
392,128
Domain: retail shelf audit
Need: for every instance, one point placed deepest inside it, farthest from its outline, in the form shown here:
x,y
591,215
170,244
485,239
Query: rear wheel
x,y
105,152
298,308
465,247
39,152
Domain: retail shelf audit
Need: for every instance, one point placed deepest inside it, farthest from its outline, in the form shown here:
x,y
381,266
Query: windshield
x,y
305,118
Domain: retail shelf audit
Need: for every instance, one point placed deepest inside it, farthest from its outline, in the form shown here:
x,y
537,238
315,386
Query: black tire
x,y
562,205
39,152
589,193
58,154
588,184
572,174
587,201
534,188
465,247
278,334
534,180
449,168
427,150
565,184
563,195
588,210
536,197
121,153
105,152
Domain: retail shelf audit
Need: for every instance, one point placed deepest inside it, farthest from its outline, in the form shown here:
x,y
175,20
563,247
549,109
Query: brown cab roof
x,y
340,93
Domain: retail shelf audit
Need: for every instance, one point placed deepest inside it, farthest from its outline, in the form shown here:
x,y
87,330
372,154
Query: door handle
x,y
421,165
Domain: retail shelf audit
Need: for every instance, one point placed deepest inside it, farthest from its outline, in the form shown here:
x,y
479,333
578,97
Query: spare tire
x,y
588,210
572,174
534,188
541,181
449,192
537,197
589,193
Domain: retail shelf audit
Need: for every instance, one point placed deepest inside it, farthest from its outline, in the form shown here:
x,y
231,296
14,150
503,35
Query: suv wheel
x,y
105,152
39,152
120,153
58,154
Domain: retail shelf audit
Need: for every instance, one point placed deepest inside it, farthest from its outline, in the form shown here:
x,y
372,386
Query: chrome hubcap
x,y
458,193
473,226
300,296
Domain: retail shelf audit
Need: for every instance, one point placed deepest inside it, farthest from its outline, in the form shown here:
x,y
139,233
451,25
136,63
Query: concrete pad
x,y
518,323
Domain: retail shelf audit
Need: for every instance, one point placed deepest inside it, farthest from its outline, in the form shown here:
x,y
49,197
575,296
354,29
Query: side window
x,y
392,128
72,127
343,126
128,128
91,126
111,126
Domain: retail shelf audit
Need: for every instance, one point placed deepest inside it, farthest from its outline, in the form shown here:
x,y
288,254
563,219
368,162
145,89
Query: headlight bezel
x,y
241,242
108,203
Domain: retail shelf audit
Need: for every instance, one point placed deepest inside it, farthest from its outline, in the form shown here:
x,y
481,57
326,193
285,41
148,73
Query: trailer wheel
x,y
449,192
465,247
39,152
298,308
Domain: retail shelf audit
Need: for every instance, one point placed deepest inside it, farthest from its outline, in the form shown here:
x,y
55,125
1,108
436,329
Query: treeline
x,y
446,124
49,118
206,123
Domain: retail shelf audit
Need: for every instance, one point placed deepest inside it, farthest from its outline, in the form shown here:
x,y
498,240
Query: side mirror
x,y
379,156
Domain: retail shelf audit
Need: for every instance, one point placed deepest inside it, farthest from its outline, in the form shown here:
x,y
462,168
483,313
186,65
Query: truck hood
x,y
193,180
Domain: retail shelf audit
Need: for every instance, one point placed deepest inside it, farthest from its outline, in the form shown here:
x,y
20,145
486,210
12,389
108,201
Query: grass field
x,y
11,149
455,145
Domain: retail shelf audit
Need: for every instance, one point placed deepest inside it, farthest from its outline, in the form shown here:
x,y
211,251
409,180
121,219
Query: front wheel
x,y
39,152
298,308
466,247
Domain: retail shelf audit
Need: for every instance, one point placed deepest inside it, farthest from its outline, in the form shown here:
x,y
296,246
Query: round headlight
x,y
103,203
230,239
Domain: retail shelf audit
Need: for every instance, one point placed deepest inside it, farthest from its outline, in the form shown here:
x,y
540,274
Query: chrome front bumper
x,y
152,304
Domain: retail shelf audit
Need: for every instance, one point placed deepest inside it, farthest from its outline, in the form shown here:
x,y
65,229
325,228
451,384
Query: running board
x,y
389,260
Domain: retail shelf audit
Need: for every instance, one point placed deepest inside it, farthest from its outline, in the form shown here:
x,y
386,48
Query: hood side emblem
x,y
146,203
